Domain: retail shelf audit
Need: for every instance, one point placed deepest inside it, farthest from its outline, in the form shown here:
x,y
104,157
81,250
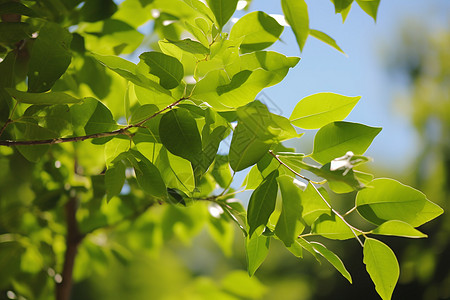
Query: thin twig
x,y
89,136
9,121
293,171
339,216
350,211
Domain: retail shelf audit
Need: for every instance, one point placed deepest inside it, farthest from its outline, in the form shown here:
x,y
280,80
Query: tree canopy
x,y
97,147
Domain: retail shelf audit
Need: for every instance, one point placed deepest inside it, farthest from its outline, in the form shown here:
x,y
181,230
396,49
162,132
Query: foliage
x,y
105,143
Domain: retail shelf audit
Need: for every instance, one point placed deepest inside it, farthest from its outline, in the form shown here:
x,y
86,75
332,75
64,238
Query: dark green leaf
x,y
168,69
387,199
333,259
96,10
50,57
223,10
13,7
11,33
337,138
32,131
149,178
258,29
10,259
289,225
382,267
262,202
179,134
236,81
42,98
296,14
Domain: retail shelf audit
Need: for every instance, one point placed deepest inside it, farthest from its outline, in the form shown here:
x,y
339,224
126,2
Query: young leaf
x,y
50,57
341,5
370,7
179,133
398,228
256,248
337,138
258,29
114,179
333,259
322,36
42,98
320,109
289,224
223,10
262,202
296,13
190,46
168,69
245,148
388,199
382,266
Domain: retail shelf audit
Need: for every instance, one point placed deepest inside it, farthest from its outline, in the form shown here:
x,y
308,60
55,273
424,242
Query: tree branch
x,y
124,130
73,239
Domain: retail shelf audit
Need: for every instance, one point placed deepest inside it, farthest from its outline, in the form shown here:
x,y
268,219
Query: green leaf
x,y
370,7
256,248
322,36
221,171
398,228
13,7
289,225
341,5
332,227
296,13
245,148
223,10
262,202
382,266
179,134
337,138
320,109
42,98
240,284
387,199
313,205
149,178
97,10
176,171
168,69
128,70
308,247
11,33
114,179
333,259
190,46
258,29
32,131
265,125
10,257
49,58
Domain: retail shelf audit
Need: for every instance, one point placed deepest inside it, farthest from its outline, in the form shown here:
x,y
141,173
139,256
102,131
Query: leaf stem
x,y
85,137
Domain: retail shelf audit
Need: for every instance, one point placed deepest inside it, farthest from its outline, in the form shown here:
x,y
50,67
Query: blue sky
x,y
361,73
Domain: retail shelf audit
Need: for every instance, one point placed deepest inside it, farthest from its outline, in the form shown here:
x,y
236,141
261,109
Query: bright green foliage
x,y
388,199
318,110
382,267
134,154
337,138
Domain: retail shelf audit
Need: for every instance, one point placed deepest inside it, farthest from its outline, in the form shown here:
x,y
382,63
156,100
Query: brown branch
x,y
73,239
116,132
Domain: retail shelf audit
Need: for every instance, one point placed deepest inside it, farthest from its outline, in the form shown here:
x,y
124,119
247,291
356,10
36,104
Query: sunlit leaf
x,y
332,227
114,179
370,7
398,228
42,98
167,68
223,10
322,36
387,199
382,267
258,29
320,109
256,248
337,138
296,14
333,259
